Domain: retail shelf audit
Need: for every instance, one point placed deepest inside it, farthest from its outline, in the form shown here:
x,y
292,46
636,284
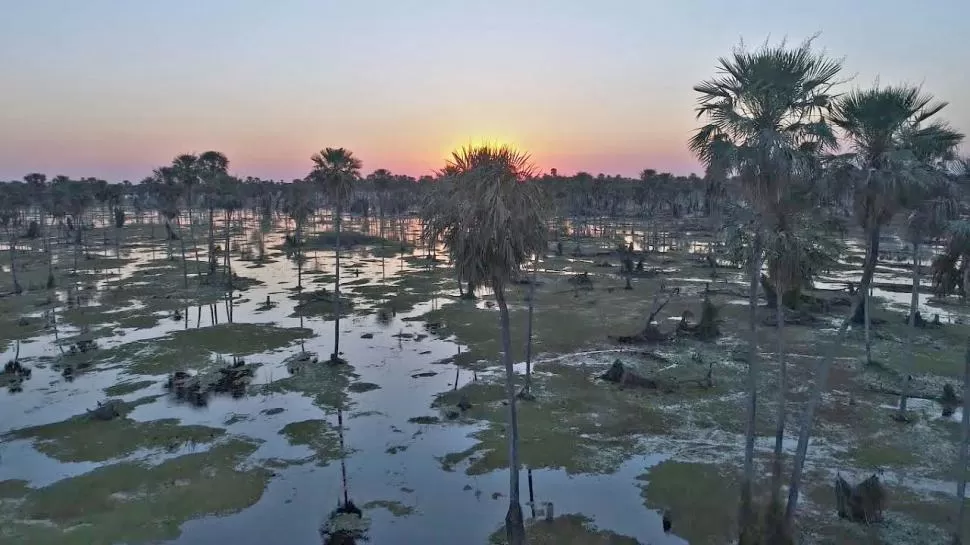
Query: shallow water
x,y
449,506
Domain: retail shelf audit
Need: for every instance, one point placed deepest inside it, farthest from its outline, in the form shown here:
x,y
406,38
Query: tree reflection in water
x,y
345,525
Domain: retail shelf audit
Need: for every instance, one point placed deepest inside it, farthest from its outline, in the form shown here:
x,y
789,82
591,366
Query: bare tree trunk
x,y
746,511
908,360
514,523
782,401
335,357
964,443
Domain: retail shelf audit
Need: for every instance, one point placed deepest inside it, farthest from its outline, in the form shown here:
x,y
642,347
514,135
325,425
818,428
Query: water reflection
x,y
345,525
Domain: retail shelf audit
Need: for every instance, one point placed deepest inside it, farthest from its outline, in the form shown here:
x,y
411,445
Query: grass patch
x,y
397,509
85,439
327,240
360,387
575,423
13,488
703,496
193,348
127,387
326,384
133,502
319,435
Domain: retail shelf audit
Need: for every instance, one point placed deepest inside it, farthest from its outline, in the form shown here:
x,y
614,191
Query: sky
x,y
115,88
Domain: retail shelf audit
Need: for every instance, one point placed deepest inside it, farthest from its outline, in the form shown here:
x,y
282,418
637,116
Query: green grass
x,y
319,435
135,503
194,348
85,439
702,497
575,423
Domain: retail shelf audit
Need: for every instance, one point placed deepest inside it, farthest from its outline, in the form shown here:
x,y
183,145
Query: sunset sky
x,y
113,88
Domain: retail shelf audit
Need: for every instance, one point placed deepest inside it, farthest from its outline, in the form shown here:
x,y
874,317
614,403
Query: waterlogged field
x,y
159,413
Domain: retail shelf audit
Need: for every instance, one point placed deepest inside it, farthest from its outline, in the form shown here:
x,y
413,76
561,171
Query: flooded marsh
x,y
163,407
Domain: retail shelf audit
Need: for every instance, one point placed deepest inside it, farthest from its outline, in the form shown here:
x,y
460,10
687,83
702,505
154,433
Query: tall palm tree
x,y
947,273
889,130
168,193
40,194
764,116
491,218
927,219
298,205
337,169
228,193
892,146
211,165
186,169
11,202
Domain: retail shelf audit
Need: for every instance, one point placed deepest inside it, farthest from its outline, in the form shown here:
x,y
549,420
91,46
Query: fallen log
x,y
620,374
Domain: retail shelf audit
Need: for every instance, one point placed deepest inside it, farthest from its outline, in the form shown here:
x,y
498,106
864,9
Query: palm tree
x,y
79,198
298,205
337,169
891,150
764,116
40,195
490,217
947,275
211,165
927,219
227,189
168,192
11,201
186,169
887,129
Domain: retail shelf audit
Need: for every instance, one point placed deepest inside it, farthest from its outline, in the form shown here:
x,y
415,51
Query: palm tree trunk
x,y
782,402
78,241
746,512
808,416
966,279
335,357
13,260
964,443
192,231
868,325
185,264
48,250
527,389
514,523
212,243
908,360
228,258
869,269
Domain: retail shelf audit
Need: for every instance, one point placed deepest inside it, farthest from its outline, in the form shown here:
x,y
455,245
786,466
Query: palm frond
x,y
488,212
